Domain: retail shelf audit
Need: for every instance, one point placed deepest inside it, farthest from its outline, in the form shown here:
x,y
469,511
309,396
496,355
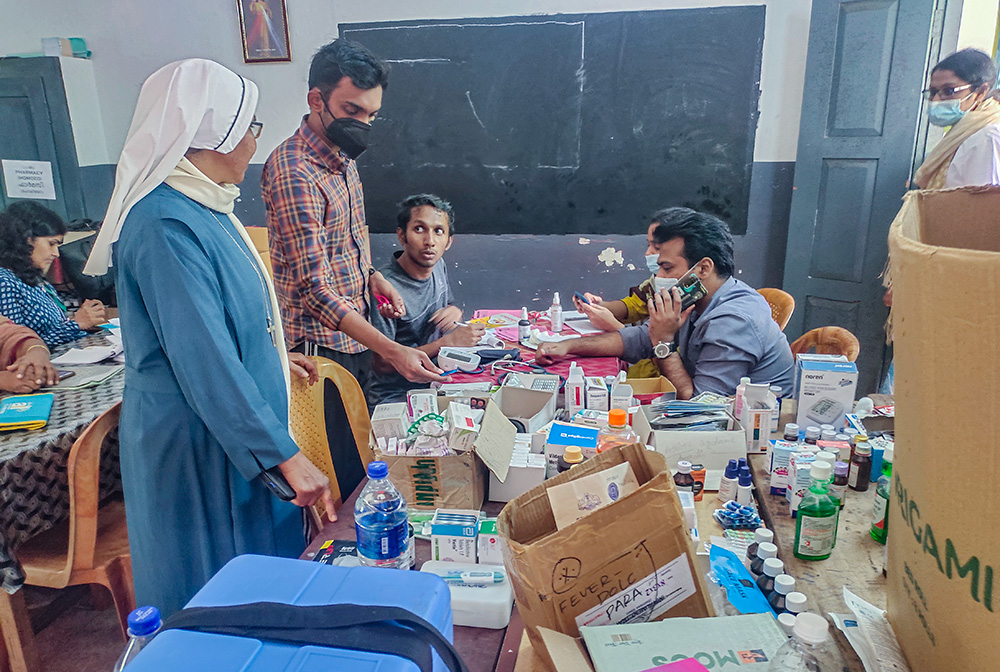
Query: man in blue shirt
x,y
723,337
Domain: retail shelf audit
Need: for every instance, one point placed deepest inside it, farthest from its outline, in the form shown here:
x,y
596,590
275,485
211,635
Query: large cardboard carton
x,y
455,481
632,559
713,450
943,591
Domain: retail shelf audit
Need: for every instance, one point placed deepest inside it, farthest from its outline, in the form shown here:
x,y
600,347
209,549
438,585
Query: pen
x,y
462,324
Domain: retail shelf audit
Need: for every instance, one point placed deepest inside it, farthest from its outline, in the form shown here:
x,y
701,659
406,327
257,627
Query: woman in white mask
x,y
205,408
959,95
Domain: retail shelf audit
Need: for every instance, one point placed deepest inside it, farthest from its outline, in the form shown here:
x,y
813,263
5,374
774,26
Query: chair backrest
x,y
308,419
258,234
828,341
83,468
781,302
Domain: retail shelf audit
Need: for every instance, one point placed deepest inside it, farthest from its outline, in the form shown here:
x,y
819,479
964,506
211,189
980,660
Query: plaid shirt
x,y
318,240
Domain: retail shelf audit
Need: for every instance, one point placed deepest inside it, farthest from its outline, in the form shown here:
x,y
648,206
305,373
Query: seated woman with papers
x,y
24,359
30,235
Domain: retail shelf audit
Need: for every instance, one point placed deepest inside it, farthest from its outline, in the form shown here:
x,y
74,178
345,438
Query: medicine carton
x,y
826,392
810,357
527,469
563,434
390,421
453,535
780,464
842,449
800,465
598,397
421,402
463,429
488,543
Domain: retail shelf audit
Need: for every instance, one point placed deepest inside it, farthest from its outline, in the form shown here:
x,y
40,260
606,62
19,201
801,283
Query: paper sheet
x,y
871,636
91,355
87,376
580,497
583,327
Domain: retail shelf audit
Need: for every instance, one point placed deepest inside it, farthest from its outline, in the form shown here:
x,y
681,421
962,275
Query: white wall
x,y
979,24
132,38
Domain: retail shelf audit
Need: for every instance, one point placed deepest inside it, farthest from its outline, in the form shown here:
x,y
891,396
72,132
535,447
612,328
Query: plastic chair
x,y
308,422
258,234
782,304
828,341
91,547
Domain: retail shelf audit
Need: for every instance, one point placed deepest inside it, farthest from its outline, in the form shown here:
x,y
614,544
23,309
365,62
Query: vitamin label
x,y
816,535
878,512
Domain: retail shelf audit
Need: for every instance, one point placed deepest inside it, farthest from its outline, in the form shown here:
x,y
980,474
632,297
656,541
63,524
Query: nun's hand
x,y
308,482
303,367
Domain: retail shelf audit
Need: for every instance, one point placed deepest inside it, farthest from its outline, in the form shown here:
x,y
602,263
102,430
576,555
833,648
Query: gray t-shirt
x,y
422,298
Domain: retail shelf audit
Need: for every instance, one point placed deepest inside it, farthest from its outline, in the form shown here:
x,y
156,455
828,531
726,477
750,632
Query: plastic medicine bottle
x,y
880,510
617,433
772,568
818,514
765,551
728,484
556,315
860,476
810,648
783,585
683,480
760,535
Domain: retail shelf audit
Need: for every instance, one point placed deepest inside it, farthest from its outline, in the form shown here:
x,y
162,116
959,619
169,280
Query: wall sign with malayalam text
x,y
264,28
29,179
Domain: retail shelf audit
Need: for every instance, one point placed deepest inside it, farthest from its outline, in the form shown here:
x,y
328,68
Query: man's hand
x,y
90,314
309,483
599,316
594,299
34,368
378,285
445,318
464,337
550,353
303,367
665,315
414,365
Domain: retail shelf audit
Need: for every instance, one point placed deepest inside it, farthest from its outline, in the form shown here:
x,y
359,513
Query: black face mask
x,y
349,134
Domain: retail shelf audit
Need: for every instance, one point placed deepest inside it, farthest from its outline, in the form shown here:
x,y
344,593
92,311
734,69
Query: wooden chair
x,y
258,234
308,422
828,341
91,547
782,304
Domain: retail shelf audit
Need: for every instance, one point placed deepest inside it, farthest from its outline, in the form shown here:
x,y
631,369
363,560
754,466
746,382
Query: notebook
x,y
29,411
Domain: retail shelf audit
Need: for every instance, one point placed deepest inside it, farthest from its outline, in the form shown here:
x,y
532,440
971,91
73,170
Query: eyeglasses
x,y
944,93
256,127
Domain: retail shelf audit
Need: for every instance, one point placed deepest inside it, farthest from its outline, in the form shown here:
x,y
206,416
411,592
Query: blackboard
x,y
581,123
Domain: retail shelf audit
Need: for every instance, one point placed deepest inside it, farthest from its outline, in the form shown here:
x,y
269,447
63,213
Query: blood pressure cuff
x,y
378,629
487,356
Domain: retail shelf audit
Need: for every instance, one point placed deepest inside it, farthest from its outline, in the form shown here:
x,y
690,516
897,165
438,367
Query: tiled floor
x,y
80,638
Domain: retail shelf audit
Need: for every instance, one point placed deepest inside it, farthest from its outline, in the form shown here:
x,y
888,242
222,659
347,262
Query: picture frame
x,y
264,31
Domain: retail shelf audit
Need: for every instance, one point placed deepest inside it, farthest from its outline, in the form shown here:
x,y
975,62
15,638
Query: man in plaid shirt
x,y
318,240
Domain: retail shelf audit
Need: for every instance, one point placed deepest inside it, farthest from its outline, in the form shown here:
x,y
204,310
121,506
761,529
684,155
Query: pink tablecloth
x,y
592,366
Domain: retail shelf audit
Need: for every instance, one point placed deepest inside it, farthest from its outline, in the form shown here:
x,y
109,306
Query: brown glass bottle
x,y
860,476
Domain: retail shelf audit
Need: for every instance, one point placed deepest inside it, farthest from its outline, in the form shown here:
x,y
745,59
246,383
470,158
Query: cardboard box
x,y
455,481
826,392
944,550
648,390
529,410
615,564
711,449
390,421
453,535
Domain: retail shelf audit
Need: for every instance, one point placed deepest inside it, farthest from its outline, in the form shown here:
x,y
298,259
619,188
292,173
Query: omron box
x,y
254,578
826,392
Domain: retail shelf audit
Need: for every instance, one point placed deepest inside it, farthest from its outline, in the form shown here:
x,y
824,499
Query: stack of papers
x,y
871,636
87,376
91,355
689,415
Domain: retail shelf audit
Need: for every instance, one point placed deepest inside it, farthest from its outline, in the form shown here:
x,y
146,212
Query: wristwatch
x,y
663,350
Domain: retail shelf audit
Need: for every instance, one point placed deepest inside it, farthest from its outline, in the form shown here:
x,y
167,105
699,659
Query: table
x,y
482,649
34,492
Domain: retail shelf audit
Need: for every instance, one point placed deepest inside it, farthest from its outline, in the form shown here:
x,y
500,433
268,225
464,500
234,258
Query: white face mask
x,y
652,262
664,283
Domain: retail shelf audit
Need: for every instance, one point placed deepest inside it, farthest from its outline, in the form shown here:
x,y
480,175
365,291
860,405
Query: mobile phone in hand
x,y
691,290
580,296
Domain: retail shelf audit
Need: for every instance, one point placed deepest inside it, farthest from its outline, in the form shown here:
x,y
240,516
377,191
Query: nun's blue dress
x,y
204,400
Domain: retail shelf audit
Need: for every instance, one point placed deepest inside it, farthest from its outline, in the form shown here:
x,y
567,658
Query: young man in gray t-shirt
x,y
424,226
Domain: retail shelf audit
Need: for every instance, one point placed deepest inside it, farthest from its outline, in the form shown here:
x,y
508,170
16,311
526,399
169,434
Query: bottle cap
x,y
555,299
784,584
841,437
776,389
888,454
744,380
573,455
823,428
762,534
826,456
795,602
820,470
378,469
524,313
617,417
697,467
742,462
862,448
732,469
841,468
143,621
811,628
745,478
767,550
773,566
791,428
684,467
812,432
786,621
828,435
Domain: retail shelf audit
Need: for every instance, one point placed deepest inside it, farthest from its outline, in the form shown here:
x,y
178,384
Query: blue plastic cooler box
x,y
255,578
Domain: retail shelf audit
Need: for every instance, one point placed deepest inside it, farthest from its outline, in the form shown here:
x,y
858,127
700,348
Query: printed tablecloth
x,y
34,490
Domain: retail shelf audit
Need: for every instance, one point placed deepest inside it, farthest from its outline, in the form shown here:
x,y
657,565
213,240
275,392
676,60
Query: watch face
x,y
662,350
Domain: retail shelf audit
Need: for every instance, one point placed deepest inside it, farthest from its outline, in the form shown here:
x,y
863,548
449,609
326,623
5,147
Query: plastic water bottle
x,y
143,624
380,521
810,648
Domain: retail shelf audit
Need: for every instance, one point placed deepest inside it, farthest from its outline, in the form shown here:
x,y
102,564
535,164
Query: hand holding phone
x,y
582,298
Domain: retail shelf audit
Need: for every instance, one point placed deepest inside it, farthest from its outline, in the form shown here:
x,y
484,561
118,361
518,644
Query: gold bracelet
x,y
37,345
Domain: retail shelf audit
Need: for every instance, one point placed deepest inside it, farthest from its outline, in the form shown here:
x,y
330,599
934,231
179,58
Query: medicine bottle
x,y
683,480
812,435
787,622
570,458
818,514
783,585
772,568
774,398
880,510
795,603
617,433
698,474
838,489
860,476
791,432
744,487
826,428
728,484
765,551
828,435
760,535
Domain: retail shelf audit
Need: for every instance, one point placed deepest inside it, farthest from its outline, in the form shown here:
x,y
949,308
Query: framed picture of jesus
x,y
264,28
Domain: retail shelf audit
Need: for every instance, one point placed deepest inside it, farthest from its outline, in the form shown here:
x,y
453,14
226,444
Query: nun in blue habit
x,y
205,407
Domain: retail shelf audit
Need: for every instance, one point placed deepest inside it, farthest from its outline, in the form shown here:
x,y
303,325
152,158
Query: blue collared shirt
x,y
735,337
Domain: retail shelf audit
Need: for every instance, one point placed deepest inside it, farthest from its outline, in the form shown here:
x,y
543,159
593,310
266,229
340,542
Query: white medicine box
x,y
453,535
826,392
390,421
